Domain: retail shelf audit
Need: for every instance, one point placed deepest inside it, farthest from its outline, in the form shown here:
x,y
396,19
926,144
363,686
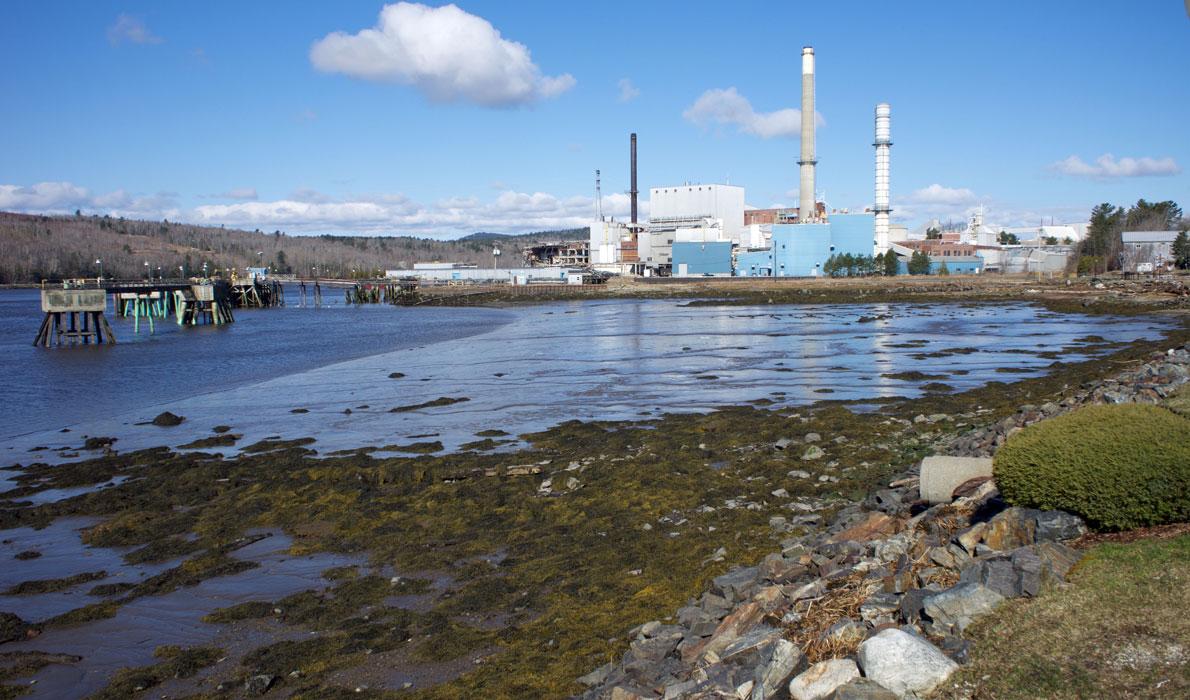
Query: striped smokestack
x,y
807,211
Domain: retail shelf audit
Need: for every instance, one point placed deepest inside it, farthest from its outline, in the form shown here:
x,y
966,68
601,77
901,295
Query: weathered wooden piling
x,y
207,302
73,316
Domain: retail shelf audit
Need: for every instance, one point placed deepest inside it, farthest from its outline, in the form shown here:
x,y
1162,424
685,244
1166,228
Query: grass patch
x,y
1117,631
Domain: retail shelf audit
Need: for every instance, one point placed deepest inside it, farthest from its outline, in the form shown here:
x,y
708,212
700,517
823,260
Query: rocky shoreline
x,y
873,605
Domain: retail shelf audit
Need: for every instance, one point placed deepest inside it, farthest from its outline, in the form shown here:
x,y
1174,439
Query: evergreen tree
x,y
1181,251
1103,235
891,264
919,263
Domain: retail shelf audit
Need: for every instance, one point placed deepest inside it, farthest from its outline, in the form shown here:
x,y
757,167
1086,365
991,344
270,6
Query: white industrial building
x,y
607,243
691,214
688,206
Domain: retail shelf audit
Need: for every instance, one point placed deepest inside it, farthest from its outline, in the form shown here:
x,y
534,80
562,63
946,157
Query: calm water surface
x,y
44,389
324,373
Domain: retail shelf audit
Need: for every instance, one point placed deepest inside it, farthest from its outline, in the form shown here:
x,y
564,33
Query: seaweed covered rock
x,y
165,419
1119,467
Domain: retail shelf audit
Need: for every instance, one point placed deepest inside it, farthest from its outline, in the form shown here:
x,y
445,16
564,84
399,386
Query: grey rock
x,y
956,648
904,663
880,607
598,676
645,656
997,573
1054,525
822,679
704,628
862,689
751,649
736,584
715,605
912,603
259,685
783,443
786,659
812,437
956,608
813,452
779,569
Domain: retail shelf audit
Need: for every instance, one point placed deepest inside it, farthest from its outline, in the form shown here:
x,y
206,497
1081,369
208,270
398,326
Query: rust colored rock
x,y
734,626
876,525
1010,529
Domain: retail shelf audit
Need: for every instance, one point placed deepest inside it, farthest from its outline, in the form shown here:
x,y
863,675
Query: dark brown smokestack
x,y
632,192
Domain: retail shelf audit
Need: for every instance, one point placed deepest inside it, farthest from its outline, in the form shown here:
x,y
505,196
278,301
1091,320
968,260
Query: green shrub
x,y
1119,467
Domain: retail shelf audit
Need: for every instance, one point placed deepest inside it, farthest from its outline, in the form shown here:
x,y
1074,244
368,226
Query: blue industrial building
x,y
801,250
955,264
695,259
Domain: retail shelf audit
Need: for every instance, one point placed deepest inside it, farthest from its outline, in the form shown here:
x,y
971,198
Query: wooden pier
x,y
73,317
74,313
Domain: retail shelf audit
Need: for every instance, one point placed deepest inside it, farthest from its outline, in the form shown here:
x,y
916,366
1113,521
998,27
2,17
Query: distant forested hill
x,y
55,247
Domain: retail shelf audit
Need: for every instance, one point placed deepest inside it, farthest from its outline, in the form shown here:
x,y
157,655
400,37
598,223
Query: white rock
x,y
821,679
904,663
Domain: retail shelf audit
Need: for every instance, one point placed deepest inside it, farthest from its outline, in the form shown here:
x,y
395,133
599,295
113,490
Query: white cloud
x,y
937,194
309,211
131,30
628,91
1107,166
729,107
446,53
66,197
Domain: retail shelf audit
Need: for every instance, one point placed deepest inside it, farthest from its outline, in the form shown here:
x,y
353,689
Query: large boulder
x,y
956,608
940,475
821,679
904,663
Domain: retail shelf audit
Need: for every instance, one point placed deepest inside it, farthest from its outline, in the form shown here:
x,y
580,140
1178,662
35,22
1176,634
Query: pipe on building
x,y
883,144
632,192
807,211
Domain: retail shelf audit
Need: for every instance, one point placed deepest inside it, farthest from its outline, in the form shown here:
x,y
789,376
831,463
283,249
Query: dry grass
x,y
818,614
1118,630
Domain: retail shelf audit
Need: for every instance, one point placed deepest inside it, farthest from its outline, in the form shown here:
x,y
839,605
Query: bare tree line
x,y
37,248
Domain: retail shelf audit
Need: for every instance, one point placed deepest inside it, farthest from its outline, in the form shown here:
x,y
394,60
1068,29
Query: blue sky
x,y
494,115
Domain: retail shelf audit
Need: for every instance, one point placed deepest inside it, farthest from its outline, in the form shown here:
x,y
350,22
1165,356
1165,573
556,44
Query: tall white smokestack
x,y
883,146
806,209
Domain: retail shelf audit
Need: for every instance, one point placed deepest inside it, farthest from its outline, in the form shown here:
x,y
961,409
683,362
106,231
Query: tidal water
x,y
42,389
325,373
337,373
